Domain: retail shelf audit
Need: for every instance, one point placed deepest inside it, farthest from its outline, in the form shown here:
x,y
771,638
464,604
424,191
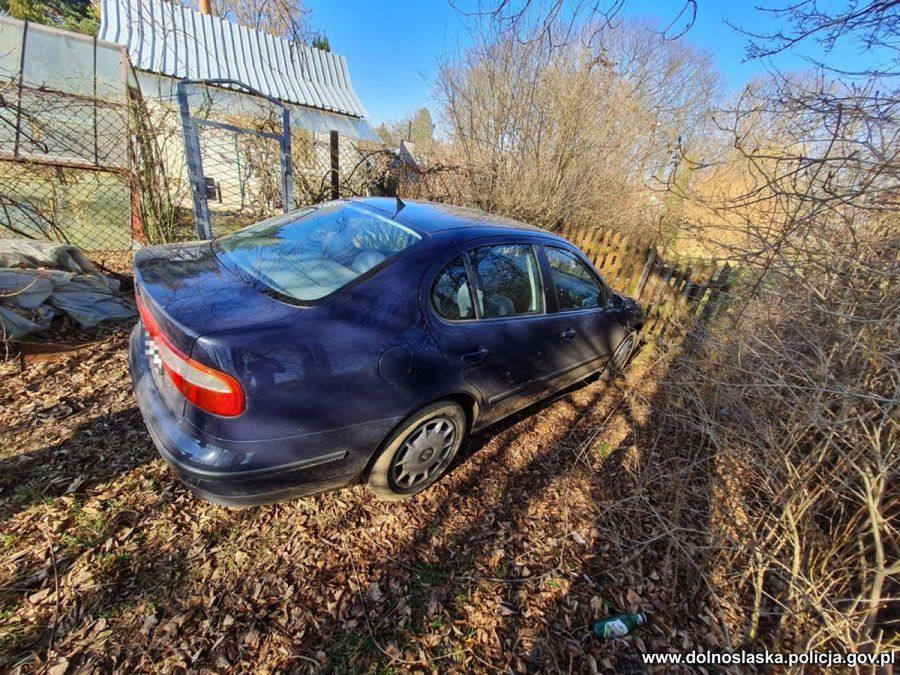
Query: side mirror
x,y
617,301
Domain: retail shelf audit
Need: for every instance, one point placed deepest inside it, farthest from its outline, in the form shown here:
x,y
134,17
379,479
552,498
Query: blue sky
x,y
393,47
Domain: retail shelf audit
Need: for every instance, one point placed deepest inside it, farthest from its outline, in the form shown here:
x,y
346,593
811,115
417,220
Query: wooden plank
x,y
664,298
726,279
587,240
576,234
654,280
593,244
689,284
587,237
717,290
598,247
602,253
629,262
626,249
666,287
701,296
674,307
660,295
645,273
611,245
637,267
679,282
700,281
614,260
34,352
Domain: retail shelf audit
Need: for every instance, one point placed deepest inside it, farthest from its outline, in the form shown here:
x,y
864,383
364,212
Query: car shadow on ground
x,y
102,451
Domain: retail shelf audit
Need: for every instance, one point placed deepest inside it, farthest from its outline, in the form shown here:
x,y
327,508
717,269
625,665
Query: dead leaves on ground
x,y
107,562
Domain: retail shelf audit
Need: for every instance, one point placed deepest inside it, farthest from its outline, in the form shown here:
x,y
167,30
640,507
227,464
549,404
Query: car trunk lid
x,y
185,293
189,293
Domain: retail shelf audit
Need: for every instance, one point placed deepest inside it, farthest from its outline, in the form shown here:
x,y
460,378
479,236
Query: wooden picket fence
x,y
670,289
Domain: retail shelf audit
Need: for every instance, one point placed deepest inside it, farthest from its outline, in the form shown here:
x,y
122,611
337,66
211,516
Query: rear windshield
x,y
306,255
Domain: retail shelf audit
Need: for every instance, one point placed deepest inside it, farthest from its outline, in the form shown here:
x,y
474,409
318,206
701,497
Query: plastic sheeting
x,y
91,300
14,325
30,297
24,289
32,253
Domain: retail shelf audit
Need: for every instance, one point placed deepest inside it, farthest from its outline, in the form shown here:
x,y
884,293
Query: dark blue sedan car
x,y
358,338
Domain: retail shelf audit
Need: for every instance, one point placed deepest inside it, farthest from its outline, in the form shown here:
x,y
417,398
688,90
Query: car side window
x,y
507,280
451,294
576,285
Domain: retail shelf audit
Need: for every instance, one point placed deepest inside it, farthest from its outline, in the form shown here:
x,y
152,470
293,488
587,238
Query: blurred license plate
x,y
154,360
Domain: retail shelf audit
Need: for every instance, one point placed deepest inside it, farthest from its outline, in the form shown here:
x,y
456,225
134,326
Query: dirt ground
x,y
107,562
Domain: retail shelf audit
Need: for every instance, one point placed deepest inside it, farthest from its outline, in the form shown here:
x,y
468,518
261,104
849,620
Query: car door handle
x,y
477,356
568,334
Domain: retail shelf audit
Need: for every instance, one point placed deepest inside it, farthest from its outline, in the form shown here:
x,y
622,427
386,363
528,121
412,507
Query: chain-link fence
x,y
65,165
92,153
239,139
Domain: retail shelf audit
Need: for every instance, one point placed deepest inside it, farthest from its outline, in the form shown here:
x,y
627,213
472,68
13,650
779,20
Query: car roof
x,y
432,218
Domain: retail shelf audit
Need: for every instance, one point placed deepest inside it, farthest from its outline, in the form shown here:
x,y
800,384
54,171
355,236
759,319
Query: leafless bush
x,y
551,132
794,399
160,171
794,404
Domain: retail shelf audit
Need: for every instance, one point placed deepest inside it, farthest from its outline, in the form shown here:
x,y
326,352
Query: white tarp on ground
x,y
50,254
30,297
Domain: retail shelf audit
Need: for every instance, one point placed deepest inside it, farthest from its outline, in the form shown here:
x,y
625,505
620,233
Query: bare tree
x,y
558,23
550,133
871,24
284,18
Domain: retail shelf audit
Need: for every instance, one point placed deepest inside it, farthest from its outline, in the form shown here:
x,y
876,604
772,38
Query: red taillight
x,y
207,388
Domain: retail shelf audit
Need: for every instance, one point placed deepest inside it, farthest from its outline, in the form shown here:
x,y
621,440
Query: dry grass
x,y
797,417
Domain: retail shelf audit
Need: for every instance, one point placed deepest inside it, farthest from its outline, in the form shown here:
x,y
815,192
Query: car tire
x,y
424,443
623,353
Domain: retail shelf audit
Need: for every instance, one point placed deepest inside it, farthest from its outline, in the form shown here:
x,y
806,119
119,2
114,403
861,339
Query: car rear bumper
x,y
235,487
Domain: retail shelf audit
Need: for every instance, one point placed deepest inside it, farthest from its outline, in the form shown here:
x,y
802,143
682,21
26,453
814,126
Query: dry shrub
x,y
569,126
793,397
160,171
797,413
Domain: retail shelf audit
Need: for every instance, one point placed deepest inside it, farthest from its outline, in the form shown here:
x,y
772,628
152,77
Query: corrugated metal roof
x,y
170,39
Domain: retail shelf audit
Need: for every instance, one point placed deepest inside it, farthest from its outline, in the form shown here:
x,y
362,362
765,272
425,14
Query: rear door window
x,y
309,254
507,280
576,286
451,294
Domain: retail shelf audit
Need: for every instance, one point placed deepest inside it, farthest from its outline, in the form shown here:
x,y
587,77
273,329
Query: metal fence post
x,y
335,165
194,164
287,171
16,143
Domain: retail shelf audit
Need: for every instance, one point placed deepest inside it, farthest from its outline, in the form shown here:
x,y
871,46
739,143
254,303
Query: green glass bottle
x,y
618,625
